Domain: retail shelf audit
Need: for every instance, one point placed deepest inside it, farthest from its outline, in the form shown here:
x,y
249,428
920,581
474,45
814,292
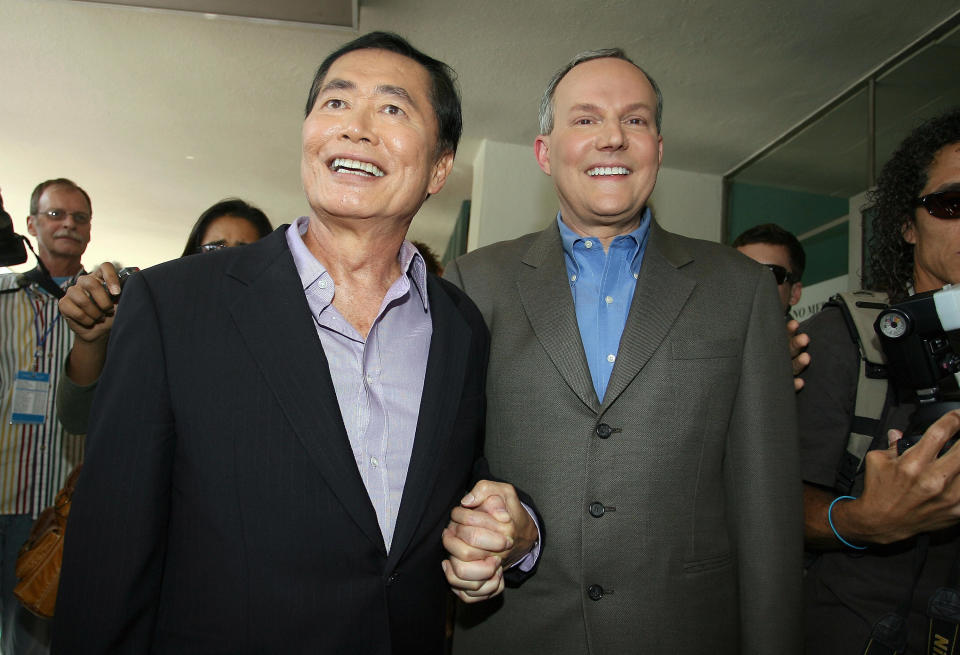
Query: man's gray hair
x,y
546,102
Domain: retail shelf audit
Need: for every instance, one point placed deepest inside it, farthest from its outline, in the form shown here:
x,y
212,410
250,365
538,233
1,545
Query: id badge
x,y
30,392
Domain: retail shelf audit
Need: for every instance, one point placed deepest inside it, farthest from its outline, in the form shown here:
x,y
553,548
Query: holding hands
x,y
490,531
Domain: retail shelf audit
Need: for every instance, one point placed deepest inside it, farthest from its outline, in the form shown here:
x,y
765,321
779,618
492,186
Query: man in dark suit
x,y
282,429
639,388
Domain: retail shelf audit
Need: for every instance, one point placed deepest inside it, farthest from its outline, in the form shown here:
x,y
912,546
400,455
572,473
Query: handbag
x,y
40,558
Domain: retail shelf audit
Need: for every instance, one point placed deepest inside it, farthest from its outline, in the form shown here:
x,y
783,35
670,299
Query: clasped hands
x,y
487,533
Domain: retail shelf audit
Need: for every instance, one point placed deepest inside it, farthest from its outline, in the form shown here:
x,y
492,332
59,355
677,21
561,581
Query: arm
x,y
902,495
89,308
762,481
113,561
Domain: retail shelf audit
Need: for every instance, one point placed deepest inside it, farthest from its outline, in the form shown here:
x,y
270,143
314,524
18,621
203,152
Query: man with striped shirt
x,y
36,453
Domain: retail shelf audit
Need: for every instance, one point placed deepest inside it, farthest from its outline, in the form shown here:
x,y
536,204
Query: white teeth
x,y
608,170
341,165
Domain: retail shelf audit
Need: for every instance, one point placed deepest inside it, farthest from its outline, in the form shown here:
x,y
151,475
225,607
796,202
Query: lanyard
x,y
41,334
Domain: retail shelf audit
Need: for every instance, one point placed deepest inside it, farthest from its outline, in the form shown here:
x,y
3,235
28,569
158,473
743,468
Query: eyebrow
x,y
949,186
588,106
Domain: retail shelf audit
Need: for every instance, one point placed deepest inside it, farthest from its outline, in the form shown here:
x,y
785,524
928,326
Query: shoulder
x,y
461,302
495,256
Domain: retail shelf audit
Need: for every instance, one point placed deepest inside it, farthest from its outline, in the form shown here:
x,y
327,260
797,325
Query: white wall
x,y
690,204
512,196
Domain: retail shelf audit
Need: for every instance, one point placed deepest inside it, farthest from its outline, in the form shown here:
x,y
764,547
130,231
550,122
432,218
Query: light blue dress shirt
x,y
602,284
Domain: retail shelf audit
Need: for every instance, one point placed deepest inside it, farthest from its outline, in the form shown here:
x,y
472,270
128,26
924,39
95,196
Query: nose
x,y
358,126
611,136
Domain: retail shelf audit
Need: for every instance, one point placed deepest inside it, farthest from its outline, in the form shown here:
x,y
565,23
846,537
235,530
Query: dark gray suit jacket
x,y
220,509
673,506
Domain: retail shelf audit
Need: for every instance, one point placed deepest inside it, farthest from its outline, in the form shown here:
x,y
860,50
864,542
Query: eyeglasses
x,y
781,274
212,246
942,204
80,218
216,245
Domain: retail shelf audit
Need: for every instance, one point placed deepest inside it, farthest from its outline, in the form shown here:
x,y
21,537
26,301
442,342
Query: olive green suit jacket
x,y
672,507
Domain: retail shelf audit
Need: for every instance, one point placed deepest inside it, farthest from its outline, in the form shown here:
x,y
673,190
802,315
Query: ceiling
x,y
159,114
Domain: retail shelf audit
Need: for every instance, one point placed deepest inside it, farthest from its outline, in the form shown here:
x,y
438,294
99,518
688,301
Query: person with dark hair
x,y
886,531
781,252
231,222
89,305
36,452
282,430
638,389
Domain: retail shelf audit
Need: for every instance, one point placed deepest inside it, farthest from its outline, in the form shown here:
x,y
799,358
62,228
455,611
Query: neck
x,y
348,253
605,234
61,266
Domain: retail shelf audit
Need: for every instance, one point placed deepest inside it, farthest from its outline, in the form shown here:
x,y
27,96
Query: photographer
x,y
36,452
886,545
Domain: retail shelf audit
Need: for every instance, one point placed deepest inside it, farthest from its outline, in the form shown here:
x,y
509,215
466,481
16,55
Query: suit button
x,y
393,578
596,510
604,431
595,592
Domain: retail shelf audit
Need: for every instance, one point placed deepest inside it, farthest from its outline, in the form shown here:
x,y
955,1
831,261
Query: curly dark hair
x,y
894,203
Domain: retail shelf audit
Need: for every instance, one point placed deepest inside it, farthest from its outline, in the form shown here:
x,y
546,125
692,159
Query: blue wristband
x,y
830,521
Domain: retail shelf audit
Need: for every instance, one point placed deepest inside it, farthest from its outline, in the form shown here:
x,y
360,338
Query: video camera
x,y
12,250
913,334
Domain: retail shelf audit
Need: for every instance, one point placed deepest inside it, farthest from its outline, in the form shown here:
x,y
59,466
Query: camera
x,y
920,357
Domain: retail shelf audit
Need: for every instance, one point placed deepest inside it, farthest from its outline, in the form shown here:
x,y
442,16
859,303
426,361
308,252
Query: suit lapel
x,y
548,303
271,312
660,294
439,404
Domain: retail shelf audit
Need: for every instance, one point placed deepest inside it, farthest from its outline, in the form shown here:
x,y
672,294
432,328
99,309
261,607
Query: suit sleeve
x,y
514,576
116,538
761,475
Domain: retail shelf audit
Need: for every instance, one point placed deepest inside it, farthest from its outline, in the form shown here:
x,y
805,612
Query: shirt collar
x,y
311,271
638,238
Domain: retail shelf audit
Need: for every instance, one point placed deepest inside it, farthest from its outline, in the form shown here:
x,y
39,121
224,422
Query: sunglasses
x,y
780,274
942,204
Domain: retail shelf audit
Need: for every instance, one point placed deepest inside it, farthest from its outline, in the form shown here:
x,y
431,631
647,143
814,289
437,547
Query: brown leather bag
x,y
39,560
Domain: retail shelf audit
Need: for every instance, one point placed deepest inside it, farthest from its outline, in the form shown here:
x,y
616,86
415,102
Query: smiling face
x,y
604,151
936,252
370,140
61,240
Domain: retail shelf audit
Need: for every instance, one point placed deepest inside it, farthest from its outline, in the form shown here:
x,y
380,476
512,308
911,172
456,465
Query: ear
x,y
541,149
659,151
31,228
909,232
441,170
795,290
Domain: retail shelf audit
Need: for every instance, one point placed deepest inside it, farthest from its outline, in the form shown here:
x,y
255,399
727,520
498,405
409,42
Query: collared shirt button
x,y
611,358
374,462
370,379
322,284
636,276
573,278
609,299
588,244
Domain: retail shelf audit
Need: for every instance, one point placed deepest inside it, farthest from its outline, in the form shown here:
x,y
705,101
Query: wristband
x,y
830,521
